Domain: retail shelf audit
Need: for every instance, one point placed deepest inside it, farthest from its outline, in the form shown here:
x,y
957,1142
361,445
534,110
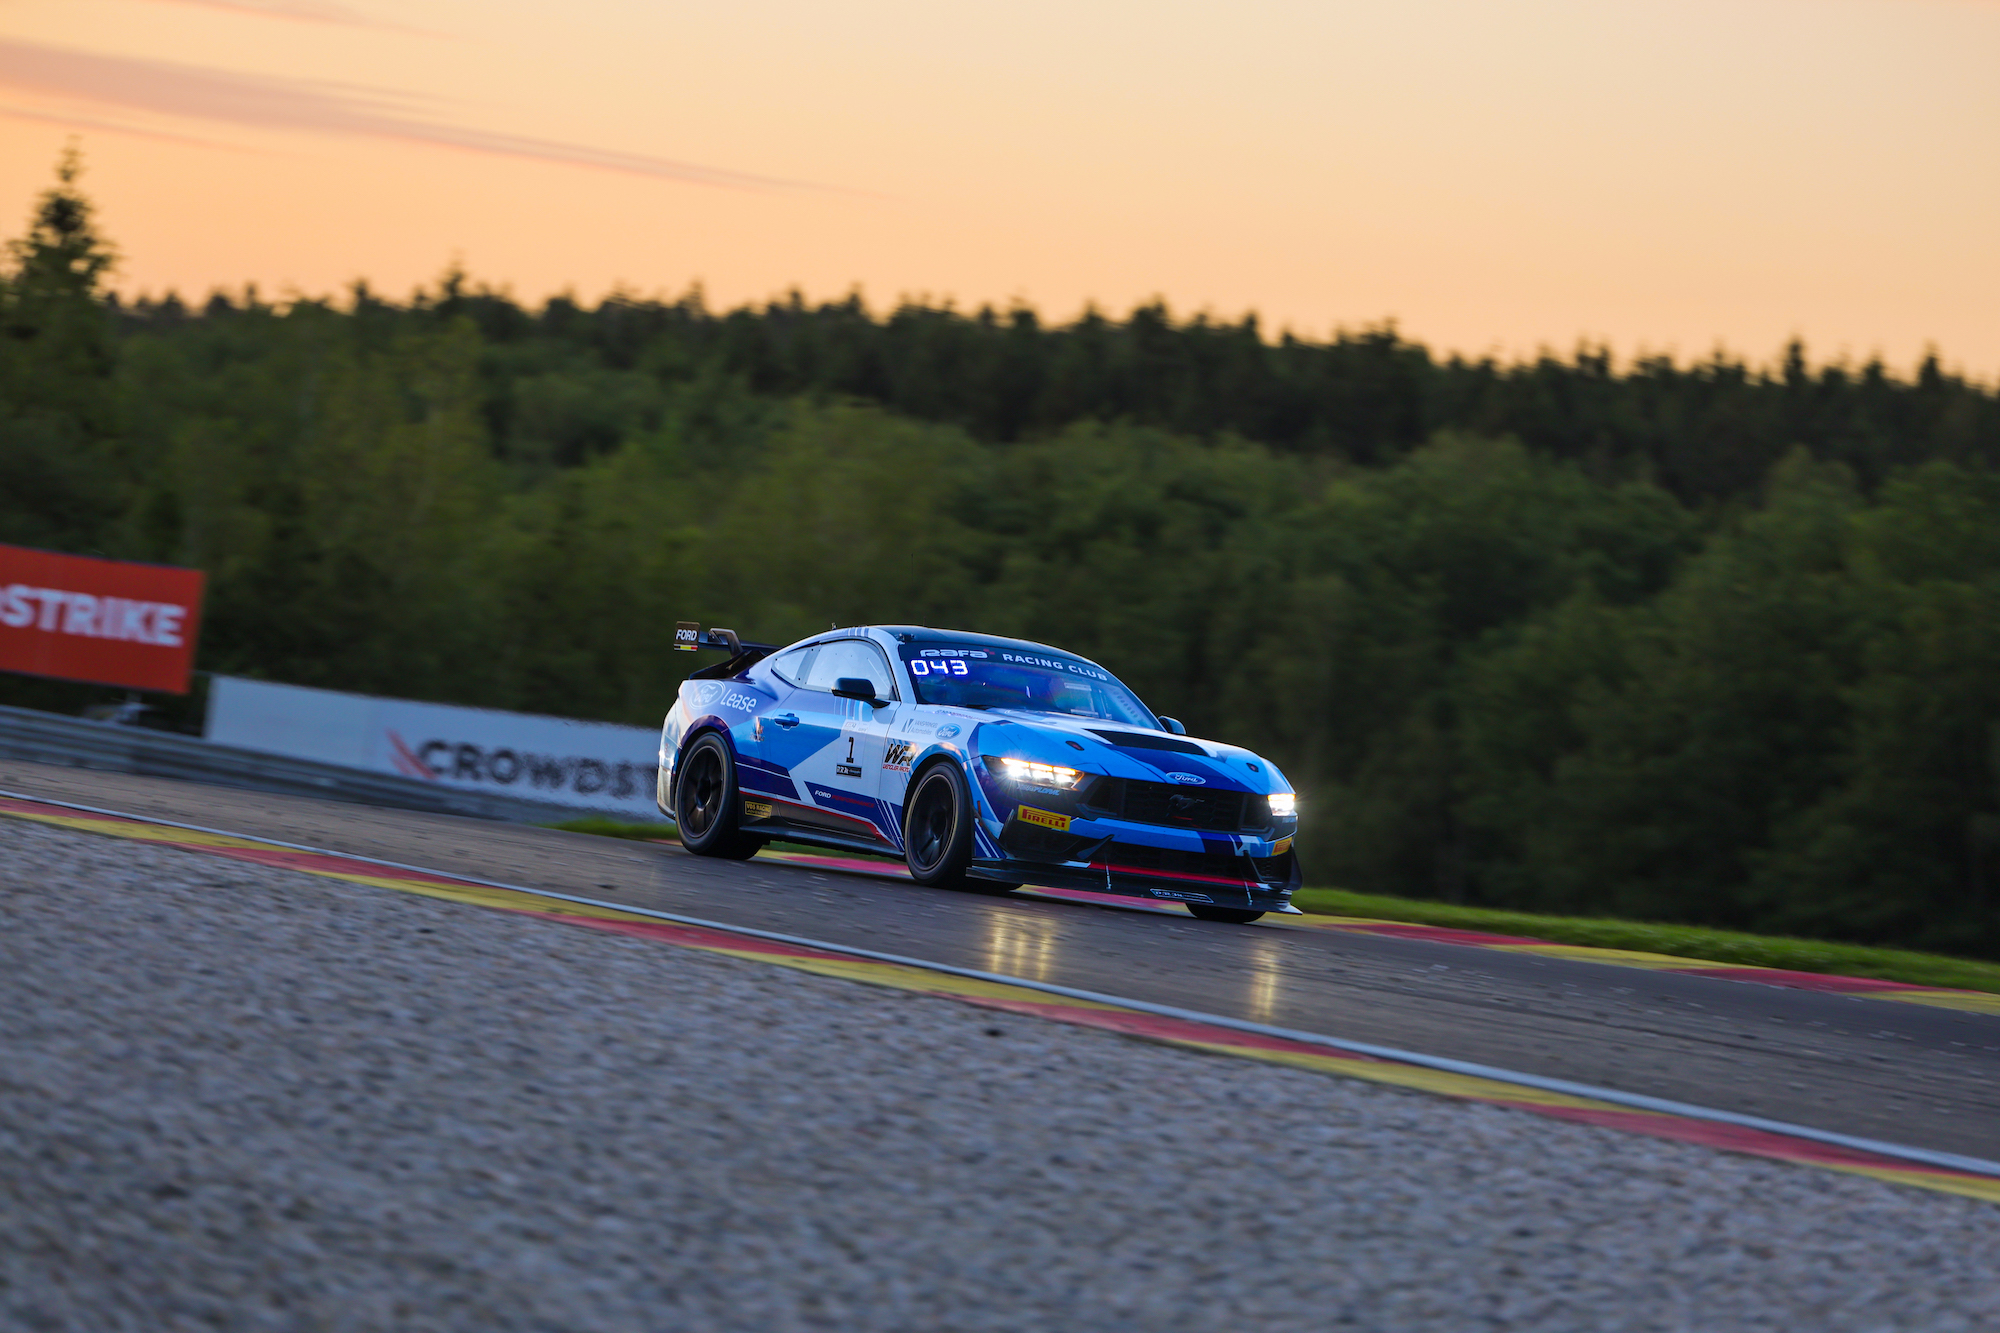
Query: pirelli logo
x,y
1027,814
757,809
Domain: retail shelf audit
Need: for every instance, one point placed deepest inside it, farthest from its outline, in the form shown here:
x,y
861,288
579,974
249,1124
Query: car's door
x,y
845,775
768,749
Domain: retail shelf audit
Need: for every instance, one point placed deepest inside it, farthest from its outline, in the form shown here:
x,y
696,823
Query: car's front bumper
x,y
1135,860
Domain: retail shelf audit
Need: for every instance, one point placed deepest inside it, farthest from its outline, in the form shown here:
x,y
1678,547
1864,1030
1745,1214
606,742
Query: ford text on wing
x,y
986,763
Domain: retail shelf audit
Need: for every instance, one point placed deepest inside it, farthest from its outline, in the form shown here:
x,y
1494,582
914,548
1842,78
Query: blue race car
x,y
986,763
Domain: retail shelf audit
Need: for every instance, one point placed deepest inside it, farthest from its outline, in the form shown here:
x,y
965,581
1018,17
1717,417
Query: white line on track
x,y
1637,1101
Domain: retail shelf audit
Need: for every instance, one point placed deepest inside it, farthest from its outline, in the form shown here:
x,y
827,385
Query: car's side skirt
x,y
810,836
774,816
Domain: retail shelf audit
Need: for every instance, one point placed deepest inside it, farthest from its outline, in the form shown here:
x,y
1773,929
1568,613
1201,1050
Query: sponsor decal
x,y
757,809
953,652
897,755
406,761
716,694
62,612
1182,895
847,770
954,667
1056,664
1281,846
686,634
947,731
846,803
1029,815
109,621
462,761
562,761
1188,779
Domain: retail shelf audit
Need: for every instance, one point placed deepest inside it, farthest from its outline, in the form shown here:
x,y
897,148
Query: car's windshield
x,y
977,676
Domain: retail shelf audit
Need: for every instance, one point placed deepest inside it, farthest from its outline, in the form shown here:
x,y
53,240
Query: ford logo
x,y
1188,779
950,729
708,691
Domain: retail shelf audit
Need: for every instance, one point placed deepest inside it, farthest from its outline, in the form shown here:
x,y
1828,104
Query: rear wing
x,y
688,636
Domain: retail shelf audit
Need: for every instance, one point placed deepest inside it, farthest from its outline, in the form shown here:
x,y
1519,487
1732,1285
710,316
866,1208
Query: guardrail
x,y
50,738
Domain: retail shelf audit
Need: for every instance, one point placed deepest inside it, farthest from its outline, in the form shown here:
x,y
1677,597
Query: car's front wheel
x,y
937,827
1235,916
705,803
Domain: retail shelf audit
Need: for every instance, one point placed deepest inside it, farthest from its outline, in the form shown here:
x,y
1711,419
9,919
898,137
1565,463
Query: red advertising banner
x,y
111,622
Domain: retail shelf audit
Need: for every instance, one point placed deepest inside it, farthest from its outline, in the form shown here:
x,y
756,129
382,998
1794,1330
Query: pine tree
x,y
57,358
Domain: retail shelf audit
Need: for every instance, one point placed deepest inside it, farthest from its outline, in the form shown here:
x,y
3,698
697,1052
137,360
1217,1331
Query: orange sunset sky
x,y
1495,177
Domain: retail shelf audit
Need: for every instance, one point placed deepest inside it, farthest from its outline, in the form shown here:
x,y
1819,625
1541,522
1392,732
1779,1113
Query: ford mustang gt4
x,y
985,763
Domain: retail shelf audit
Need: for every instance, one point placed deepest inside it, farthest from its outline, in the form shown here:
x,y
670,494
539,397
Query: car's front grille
x,y
1167,803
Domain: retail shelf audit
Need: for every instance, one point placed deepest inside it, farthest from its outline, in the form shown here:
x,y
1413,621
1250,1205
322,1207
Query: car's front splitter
x,y
1110,875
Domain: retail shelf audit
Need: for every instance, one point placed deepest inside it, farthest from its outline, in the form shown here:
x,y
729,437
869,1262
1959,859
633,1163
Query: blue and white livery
x,y
986,763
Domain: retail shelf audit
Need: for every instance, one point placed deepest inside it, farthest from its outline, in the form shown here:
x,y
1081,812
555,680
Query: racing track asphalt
x,y
1900,1072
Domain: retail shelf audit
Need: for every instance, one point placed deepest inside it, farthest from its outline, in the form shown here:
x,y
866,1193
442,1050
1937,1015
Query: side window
x,y
851,657
793,666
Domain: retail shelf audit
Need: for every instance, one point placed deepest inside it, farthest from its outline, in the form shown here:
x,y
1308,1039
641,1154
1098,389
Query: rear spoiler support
x,y
688,636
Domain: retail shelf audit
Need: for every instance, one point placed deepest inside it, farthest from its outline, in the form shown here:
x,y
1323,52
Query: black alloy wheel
x,y
705,803
1235,916
937,827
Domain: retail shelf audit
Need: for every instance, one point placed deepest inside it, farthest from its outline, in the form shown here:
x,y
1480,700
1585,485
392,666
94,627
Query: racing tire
x,y
937,827
1235,916
706,804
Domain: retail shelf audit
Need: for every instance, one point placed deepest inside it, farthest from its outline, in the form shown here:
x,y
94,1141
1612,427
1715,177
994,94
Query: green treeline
x,y
1707,644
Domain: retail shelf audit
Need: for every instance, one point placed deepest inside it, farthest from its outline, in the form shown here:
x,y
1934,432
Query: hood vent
x,y
1149,740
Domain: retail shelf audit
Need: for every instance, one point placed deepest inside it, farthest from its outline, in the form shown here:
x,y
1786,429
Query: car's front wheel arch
x,y
938,817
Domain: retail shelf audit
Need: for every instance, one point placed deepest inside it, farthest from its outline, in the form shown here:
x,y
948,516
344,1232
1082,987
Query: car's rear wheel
x,y
706,804
1235,916
937,827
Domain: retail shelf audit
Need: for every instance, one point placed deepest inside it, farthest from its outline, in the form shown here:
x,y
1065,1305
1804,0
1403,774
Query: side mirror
x,y
1173,724
857,687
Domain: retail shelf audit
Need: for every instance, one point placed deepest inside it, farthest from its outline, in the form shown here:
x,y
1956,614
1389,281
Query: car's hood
x,y
1120,752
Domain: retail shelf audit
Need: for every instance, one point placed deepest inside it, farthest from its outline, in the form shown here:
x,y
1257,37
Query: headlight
x,y
1284,804
1040,775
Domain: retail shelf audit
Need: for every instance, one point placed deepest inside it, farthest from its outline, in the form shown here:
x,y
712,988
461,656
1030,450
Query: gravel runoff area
x,y
237,1098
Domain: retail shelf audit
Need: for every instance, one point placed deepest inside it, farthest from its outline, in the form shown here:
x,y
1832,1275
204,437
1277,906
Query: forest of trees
x,y
1707,643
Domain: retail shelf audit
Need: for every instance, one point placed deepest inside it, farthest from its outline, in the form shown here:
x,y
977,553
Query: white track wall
x,y
597,767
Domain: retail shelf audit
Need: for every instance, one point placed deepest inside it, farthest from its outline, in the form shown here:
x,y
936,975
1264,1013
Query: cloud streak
x,y
107,126
310,11
191,93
